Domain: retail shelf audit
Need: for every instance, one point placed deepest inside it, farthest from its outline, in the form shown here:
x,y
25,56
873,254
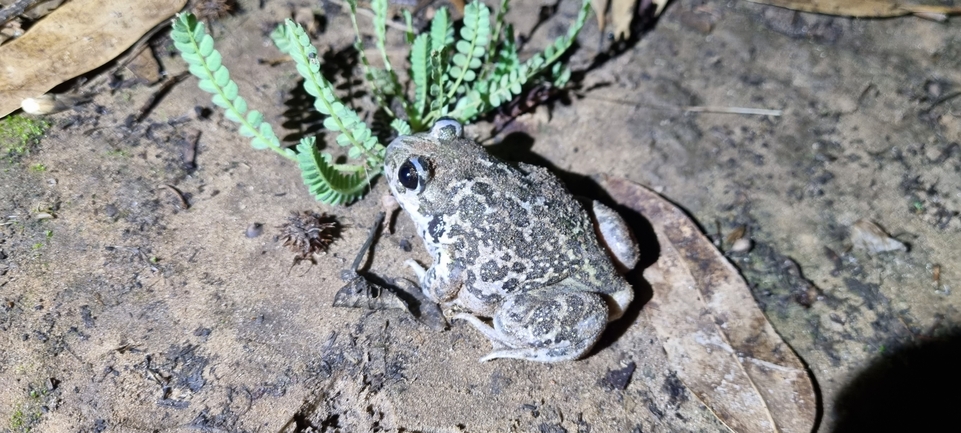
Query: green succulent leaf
x,y
205,62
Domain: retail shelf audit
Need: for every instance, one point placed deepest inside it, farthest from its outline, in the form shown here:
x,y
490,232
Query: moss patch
x,y
18,134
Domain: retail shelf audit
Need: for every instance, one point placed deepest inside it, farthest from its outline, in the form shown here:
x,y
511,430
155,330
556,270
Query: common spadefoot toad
x,y
510,243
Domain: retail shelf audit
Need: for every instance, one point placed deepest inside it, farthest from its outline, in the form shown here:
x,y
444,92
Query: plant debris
x,y
365,290
865,8
723,348
307,233
868,236
210,10
79,36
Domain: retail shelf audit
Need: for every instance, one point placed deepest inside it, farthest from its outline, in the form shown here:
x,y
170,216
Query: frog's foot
x,y
547,325
615,235
419,270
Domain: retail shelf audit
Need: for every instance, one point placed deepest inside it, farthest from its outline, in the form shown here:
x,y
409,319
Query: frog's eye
x,y
414,173
447,129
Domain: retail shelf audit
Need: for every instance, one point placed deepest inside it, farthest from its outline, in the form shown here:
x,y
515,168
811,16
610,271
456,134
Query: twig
x,y
183,201
370,240
733,110
941,100
164,88
690,109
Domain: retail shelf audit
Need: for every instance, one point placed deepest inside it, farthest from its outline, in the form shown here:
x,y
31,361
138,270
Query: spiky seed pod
x,y
307,233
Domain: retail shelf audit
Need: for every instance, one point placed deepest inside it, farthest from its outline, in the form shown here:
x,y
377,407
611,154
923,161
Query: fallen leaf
x,y
861,8
724,349
77,37
359,292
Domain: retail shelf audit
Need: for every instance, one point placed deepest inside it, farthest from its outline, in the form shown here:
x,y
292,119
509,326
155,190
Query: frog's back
x,y
519,229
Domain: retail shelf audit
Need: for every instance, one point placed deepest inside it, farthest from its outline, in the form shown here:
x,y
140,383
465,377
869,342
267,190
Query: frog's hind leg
x,y
548,325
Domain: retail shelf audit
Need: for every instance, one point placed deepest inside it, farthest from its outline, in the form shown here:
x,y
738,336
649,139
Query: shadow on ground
x,y
905,390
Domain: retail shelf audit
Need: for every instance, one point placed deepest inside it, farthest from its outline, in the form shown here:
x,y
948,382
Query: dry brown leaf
x,y
79,36
861,8
622,12
724,349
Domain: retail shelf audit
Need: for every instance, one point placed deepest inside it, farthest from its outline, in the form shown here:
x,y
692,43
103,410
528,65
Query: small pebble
x,y
741,245
254,230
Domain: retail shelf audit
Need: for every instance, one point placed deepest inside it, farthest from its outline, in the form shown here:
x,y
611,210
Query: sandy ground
x,y
127,313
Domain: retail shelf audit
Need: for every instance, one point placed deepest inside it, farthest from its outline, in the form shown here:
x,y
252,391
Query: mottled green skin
x,y
509,243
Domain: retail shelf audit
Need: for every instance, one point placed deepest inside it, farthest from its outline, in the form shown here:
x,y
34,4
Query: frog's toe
x,y
417,268
539,354
616,236
530,354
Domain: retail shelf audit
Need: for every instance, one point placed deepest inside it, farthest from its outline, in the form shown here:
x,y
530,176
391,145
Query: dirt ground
x,y
128,313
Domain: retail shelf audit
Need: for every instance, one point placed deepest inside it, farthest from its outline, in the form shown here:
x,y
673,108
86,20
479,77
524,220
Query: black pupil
x,y
407,174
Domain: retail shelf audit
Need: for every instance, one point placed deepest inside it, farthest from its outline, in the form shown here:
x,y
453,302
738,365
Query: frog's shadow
x,y
516,147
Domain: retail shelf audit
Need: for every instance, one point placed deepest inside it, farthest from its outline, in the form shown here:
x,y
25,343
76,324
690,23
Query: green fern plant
x,y
462,76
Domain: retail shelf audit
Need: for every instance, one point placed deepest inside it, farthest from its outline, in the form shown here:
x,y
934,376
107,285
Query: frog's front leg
x,y
548,325
438,289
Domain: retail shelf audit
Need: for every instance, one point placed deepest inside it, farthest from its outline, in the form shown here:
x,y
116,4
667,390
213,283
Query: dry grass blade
x,y
77,37
724,349
862,8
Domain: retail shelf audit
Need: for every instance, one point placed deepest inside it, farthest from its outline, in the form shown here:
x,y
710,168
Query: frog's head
x,y
420,167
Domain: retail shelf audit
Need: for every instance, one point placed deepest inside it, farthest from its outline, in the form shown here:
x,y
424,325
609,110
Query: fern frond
x,y
279,38
400,126
560,75
324,181
379,93
420,76
391,84
352,130
507,58
437,64
409,23
498,24
380,29
441,31
554,51
471,47
505,84
197,49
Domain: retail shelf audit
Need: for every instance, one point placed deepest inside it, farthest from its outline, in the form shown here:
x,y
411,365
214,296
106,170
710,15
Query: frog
x,y
510,245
